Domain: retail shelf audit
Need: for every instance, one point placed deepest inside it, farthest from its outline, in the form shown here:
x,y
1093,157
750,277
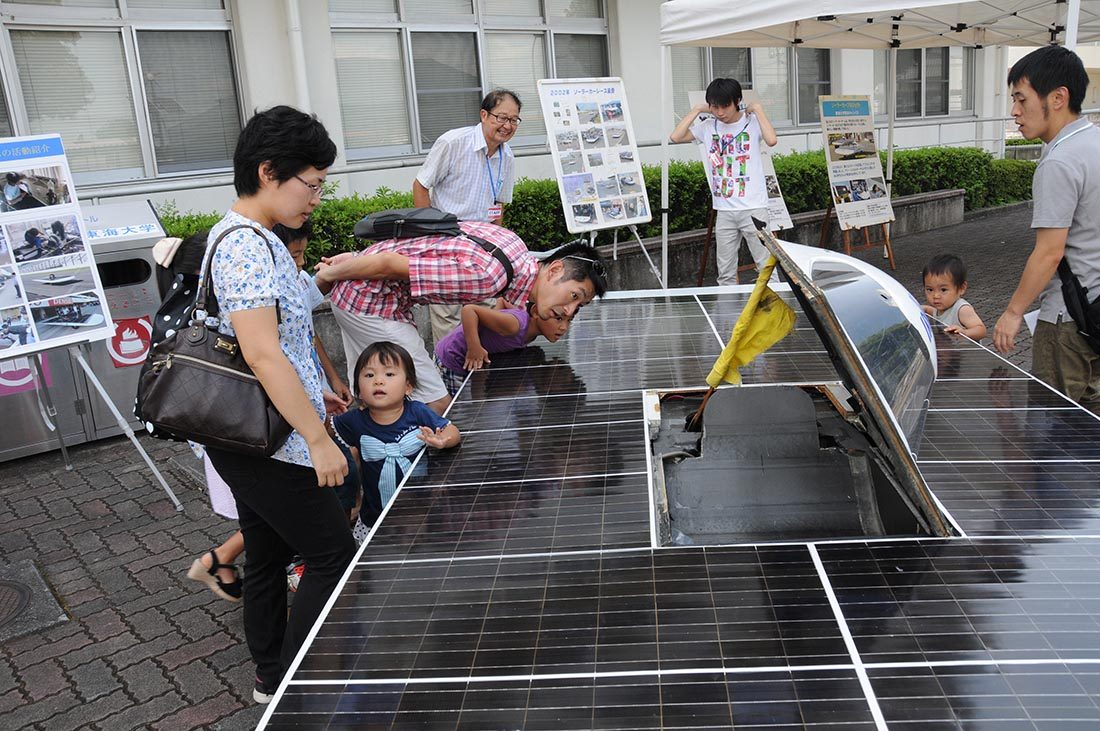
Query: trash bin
x,y
122,237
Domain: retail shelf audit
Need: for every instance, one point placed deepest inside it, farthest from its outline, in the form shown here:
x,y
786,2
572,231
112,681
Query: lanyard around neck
x,y
499,184
715,119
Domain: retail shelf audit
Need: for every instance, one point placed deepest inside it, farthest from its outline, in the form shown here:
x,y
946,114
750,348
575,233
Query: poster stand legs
x,y
51,410
77,353
648,258
846,237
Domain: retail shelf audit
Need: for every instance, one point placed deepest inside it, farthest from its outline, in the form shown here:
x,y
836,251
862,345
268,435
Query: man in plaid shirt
x,y
373,291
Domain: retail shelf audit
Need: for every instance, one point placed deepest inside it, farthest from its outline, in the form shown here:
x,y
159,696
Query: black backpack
x,y
410,223
407,223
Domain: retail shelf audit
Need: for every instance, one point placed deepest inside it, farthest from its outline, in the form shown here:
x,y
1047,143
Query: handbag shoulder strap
x,y
496,252
205,292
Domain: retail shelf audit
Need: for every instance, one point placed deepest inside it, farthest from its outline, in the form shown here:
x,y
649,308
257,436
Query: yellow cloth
x,y
765,321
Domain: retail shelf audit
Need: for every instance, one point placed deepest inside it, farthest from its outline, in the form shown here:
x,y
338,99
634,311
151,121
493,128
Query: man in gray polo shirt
x,y
1048,86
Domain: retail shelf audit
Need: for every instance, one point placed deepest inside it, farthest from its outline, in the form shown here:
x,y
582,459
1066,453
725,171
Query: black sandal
x,y
231,592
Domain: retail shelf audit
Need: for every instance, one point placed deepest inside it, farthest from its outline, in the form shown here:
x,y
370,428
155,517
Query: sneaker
x,y
261,693
294,575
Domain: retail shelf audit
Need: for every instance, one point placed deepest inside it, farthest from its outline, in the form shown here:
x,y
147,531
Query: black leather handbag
x,y
197,386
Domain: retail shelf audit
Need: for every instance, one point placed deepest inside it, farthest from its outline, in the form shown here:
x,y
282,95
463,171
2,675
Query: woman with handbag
x,y
285,501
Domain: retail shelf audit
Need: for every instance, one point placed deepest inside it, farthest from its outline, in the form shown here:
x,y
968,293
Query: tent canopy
x,y
873,23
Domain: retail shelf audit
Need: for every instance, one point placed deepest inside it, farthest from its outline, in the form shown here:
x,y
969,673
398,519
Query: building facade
x,y
149,95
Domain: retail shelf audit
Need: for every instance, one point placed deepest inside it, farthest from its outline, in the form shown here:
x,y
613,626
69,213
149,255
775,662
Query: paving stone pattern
x,y
145,647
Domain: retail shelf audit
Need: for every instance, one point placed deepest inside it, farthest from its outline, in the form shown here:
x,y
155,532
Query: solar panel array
x,y
513,583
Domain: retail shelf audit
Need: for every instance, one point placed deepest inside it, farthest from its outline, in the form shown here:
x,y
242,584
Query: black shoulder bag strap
x,y
206,284
495,251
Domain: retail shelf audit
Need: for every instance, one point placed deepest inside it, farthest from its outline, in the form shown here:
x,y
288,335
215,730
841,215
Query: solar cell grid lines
x,y
513,582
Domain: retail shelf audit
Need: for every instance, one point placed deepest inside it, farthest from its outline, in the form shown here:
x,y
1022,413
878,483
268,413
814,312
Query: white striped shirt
x,y
460,178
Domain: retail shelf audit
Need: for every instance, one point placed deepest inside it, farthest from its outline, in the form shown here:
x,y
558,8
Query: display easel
x,y
77,353
615,249
845,235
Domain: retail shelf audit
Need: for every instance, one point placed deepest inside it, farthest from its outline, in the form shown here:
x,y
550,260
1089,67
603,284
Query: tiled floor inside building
x,y
514,582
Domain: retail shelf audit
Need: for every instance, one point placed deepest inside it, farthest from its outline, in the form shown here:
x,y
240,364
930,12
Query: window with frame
x,y
770,73
688,74
129,102
408,72
814,79
931,82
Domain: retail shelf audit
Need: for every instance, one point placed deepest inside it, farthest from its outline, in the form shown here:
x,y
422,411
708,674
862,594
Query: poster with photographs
x,y
595,156
856,182
50,293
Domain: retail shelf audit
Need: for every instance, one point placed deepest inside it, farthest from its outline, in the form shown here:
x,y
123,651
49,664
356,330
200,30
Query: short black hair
x,y
12,177
1050,67
288,235
581,262
723,92
946,264
388,354
493,99
288,139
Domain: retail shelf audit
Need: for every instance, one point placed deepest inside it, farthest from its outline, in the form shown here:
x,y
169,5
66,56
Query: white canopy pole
x,y
1073,15
665,54
891,109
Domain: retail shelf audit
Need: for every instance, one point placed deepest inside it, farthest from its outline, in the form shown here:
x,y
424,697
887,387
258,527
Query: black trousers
x,y
282,513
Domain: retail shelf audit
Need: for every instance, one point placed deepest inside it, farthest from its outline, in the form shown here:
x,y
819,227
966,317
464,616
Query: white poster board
x,y
595,153
50,293
778,216
856,182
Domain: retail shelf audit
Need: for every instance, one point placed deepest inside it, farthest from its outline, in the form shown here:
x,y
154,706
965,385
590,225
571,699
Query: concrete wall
x,y
913,213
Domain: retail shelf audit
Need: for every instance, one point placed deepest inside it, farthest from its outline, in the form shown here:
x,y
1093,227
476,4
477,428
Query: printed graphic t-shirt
x,y
732,158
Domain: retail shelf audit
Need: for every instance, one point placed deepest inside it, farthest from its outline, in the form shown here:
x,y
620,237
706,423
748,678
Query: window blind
x,y
516,61
194,114
580,56
448,85
370,77
76,83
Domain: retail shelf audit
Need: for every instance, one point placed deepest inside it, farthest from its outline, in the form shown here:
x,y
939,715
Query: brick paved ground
x,y
144,647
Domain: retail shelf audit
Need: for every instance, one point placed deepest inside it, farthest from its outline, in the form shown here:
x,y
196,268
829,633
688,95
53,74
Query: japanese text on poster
x,y
50,293
856,182
595,154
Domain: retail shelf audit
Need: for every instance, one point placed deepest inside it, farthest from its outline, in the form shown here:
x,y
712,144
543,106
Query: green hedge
x,y
536,214
1010,180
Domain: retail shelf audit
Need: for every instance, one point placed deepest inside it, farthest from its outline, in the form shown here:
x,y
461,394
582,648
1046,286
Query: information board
x,y
595,153
856,182
50,293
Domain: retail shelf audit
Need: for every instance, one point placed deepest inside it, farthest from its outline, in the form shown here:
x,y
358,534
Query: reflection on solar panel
x,y
514,583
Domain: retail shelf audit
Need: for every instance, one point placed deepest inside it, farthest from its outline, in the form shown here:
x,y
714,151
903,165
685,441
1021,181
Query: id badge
x,y
495,211
715,160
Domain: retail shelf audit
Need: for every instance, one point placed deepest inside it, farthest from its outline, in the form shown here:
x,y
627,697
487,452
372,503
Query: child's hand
x,y
342,391
928,310
336,259
476,358
952,329
433,438
334,404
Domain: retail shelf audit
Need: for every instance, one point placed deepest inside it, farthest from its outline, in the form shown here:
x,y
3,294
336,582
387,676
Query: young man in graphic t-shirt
x,y
731,143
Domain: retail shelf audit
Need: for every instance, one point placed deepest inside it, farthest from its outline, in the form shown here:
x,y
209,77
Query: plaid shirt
x,y
447,270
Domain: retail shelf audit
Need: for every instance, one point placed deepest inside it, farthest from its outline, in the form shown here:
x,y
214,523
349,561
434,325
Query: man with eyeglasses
x,y
470,172
373,292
